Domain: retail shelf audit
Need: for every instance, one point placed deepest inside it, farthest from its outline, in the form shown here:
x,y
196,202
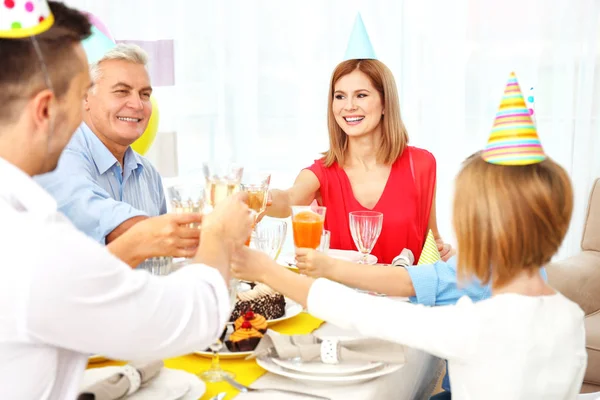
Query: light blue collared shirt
x,y
94,192
437,285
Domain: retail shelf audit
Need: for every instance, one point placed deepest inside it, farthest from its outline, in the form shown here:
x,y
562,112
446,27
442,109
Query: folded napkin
x,y
123,383
404,259
311,348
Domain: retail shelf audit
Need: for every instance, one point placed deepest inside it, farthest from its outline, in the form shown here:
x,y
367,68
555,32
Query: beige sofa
x,y
578,278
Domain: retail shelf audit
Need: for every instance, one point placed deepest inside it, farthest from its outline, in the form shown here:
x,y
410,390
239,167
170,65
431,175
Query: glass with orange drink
x,y
257,187
307,225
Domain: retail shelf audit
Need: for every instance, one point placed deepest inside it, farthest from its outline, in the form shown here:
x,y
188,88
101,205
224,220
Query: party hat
x,y
430,253
359,45
514,139
97,45
21,18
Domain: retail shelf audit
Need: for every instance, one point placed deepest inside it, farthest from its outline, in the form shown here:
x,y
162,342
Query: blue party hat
x,y
359,45
97,45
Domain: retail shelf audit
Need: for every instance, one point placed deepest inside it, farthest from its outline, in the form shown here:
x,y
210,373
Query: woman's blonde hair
x,y
509,218
394,135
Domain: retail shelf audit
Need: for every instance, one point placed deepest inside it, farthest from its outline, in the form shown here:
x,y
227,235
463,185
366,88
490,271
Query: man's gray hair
x,y
122,51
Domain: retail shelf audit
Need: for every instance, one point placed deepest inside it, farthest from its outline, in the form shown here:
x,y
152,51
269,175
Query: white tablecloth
x,y
416,380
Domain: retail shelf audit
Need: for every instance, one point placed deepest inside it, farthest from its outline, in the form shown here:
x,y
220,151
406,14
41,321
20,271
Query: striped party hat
x,y
430,253
514,139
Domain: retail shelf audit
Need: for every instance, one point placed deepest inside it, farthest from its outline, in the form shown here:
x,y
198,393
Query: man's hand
x,y
224,230
231,221
166,235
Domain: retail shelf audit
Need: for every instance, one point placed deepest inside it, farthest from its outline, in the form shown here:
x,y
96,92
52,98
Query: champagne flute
x,y
257,187
215,373
222,180
365,227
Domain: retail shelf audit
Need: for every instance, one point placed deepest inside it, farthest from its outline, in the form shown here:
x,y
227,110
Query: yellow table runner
x,y
246,371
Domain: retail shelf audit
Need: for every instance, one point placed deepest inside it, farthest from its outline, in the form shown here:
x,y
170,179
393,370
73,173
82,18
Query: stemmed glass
x,y
269,236
187,198
365,227
221,180
257,187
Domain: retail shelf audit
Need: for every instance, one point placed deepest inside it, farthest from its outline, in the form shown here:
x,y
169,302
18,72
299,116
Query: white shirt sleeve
x,y
83,298
446,331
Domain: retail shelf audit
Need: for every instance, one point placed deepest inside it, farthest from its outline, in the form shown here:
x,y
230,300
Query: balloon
x,y
145,141
96,45
95,21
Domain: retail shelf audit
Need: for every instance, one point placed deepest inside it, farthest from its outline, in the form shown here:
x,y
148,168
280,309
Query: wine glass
x,y
269,236
257,187
222,180
215,373
157,265
365,227
187,198
307,225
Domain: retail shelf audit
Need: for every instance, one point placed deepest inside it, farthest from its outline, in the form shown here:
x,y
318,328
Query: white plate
x,y
225,353
289,260
318,368
268,364
351,255
291,310
170,384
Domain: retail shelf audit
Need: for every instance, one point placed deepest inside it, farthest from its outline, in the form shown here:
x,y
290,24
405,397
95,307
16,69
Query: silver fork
x,y
246,389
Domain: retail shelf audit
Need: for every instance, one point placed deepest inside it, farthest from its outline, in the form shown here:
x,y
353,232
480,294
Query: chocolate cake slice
x,y
262,300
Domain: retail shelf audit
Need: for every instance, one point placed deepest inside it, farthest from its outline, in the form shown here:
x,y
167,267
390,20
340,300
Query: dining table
x,y
415,380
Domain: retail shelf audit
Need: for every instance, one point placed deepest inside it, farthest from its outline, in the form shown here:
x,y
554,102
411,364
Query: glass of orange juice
x,y
307,225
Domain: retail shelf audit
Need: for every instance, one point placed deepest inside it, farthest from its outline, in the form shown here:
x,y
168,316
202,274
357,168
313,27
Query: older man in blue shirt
x,y
101,183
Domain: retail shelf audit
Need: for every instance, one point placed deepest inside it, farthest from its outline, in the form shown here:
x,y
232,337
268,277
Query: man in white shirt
x,y
62,295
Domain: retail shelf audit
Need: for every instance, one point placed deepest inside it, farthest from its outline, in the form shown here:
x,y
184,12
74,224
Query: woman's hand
x,y
314,263
445,249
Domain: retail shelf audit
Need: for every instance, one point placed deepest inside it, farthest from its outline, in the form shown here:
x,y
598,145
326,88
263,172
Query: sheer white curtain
x,y
251,77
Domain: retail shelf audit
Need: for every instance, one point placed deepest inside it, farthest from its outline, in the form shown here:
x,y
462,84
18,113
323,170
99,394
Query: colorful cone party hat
x,y
23,18
430,253
514,139
359,45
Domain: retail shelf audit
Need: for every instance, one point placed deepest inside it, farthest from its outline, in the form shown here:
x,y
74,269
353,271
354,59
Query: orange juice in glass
x,y
307,225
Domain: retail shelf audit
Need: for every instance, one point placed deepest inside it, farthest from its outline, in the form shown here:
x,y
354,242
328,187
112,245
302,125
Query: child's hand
x,y
314,263
251,265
